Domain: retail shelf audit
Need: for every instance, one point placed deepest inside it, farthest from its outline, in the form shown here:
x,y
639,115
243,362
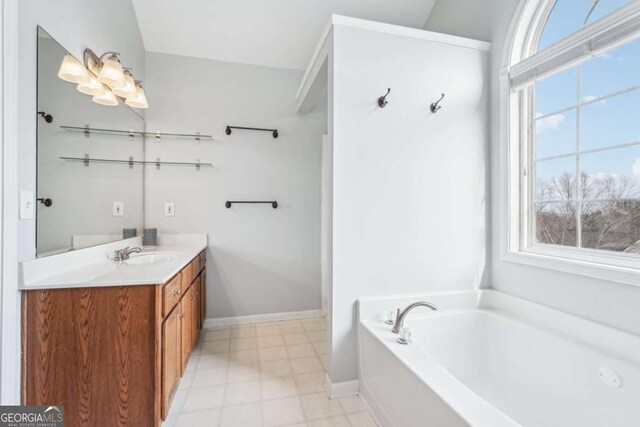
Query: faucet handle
x,y
405,336
390,317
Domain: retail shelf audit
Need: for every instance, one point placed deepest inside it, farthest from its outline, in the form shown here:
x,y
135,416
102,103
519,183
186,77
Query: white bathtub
x,y
488,359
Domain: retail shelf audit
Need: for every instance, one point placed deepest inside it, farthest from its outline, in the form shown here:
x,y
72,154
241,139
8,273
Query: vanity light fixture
x,y
129,90
107,98
71,70
111,71
104,78
93,87
140,101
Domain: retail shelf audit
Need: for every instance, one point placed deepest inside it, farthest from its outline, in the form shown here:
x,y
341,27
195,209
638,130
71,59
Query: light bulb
x,y
71,70
129,90
111,73
139,101
93,87
107,98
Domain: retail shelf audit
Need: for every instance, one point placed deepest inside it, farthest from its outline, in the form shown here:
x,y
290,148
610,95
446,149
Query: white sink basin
x,y
151,258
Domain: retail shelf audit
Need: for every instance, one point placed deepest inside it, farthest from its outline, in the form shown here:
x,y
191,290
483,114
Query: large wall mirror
x,y
90,179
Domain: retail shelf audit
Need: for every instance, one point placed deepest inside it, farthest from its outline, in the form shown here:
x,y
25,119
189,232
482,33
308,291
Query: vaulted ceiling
x,y
274,33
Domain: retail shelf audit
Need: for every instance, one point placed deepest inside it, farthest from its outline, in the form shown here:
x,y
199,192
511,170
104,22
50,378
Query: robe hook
x,y
382,101
435,107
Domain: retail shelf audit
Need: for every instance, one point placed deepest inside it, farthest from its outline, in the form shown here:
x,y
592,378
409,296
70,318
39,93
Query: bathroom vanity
x,y
112,353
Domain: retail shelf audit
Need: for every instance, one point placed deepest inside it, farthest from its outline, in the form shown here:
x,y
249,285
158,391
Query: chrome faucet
x,y
402,314
123,254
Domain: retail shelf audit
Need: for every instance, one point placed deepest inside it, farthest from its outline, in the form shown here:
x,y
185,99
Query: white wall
x,y
605,302
102,25
409,187
464,18
260,260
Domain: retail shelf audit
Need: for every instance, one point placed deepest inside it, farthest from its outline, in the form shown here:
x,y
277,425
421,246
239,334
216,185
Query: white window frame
x,y
521,67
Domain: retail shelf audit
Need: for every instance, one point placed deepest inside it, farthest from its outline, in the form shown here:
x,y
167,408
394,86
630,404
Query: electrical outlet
x,y
118,208
169,209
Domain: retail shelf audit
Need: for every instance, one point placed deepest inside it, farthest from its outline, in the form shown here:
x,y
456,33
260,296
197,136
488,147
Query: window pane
x,y
623,63
556,223
555,179
557,92
604,7
556,135
611,121
568,16
612,226
611,174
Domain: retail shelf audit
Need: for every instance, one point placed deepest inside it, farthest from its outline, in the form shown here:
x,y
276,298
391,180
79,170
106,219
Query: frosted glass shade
x,y
139,101
107,98
111,73
129,89
93,87
71,70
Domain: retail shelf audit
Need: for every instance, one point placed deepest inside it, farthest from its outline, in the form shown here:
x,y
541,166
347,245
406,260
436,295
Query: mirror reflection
x,y
90,175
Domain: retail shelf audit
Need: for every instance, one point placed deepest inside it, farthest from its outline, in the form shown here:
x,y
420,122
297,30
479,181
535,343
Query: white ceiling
x,y
274,33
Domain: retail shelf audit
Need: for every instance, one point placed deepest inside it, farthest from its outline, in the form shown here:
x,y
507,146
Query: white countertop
x,y
94,268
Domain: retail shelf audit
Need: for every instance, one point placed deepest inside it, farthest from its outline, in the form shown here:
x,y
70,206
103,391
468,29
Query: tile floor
x,y
264,375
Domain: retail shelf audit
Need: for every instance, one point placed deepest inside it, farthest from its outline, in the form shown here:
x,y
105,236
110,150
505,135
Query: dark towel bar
x,y
274,204
274,132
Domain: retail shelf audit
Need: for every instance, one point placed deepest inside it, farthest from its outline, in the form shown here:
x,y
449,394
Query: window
x,y
573,90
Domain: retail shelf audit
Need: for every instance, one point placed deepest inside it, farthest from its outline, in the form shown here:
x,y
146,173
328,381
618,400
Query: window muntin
x,y
584,155
568,16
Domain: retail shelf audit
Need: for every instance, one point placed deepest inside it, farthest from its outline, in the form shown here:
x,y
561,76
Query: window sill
x,y
574,263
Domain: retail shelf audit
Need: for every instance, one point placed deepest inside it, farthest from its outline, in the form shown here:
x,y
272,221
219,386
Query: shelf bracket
x,y
130,162
158,163
197,137
198,164
157,136
86,160
131,134
87,132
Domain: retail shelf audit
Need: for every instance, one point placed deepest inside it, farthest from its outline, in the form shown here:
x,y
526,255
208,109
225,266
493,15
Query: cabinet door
x,y
171,363
203,297
186,314
196,309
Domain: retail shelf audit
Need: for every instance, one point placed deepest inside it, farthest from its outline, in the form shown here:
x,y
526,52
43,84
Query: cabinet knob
x,y
176,291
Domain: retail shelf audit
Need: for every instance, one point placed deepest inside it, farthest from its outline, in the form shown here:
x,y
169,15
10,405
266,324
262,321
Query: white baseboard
x,y
270,317
341,389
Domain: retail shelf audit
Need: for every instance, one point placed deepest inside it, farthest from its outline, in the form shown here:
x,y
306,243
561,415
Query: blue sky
x,y
612,121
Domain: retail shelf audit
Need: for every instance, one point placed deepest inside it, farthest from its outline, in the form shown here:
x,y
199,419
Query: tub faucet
x,y
123,254
407,309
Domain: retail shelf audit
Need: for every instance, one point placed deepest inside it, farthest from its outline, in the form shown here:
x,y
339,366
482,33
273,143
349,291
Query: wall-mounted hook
x,y
47,117
435,107
382,101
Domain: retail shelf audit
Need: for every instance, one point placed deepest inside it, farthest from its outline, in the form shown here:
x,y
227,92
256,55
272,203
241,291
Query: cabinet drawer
x,y
171,293
203,260
187,276
195,267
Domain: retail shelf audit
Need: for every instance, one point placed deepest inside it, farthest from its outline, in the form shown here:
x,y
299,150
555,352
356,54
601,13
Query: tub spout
x,y
407,309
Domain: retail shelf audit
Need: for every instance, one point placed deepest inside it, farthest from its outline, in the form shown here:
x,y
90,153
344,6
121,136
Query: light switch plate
x,y
118,209
169,209
27,205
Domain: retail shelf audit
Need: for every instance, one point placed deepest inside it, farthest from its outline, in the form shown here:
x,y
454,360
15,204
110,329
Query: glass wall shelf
x,y
131,162
131,133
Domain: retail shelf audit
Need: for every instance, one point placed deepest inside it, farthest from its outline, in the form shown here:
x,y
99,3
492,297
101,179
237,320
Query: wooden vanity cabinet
x,y
113,356
186,316
171,362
